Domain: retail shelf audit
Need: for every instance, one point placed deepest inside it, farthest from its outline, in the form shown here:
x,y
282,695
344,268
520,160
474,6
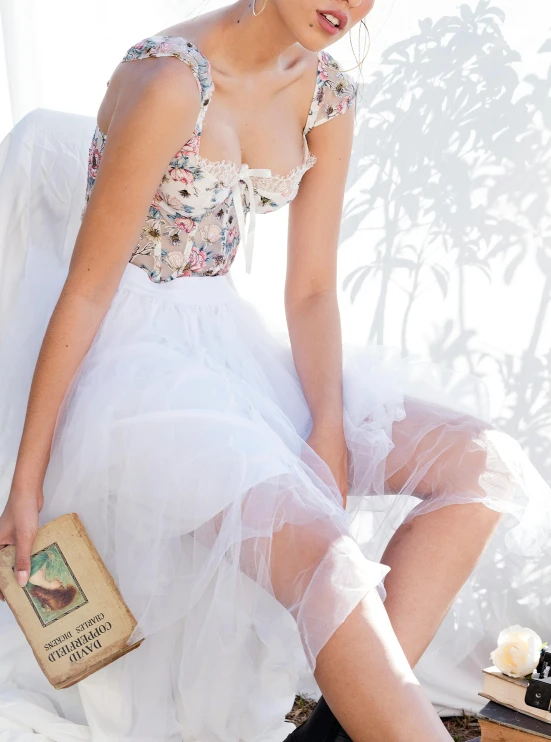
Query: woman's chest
x,y
263,129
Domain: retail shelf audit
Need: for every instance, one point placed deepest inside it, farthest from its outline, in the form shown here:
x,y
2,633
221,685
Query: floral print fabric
x,y
196,217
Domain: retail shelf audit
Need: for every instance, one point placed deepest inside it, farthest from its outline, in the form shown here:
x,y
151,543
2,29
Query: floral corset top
x,y
196,218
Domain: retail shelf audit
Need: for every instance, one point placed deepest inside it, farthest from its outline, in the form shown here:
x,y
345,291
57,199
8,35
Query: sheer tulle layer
x,y
181,444
224,531
173,431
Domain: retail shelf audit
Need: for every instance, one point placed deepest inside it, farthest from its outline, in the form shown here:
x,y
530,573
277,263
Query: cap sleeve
x,y
177,46
335,92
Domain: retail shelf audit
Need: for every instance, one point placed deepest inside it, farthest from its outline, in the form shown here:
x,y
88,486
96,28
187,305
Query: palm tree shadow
x,y
449,188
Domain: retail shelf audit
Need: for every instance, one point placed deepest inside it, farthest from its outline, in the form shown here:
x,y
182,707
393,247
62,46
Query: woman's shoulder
x,y
164,45
167,85
335,91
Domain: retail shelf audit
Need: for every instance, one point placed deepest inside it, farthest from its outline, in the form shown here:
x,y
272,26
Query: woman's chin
x,y
316,42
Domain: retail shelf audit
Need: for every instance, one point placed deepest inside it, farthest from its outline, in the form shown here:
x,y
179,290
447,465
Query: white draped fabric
x,y
445,245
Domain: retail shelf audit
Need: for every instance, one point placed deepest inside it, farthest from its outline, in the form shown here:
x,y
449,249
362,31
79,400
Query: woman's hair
x,y
55,599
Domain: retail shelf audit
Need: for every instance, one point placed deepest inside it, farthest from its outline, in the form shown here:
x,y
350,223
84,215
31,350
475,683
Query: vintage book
x,y
509,692
71,610
502,724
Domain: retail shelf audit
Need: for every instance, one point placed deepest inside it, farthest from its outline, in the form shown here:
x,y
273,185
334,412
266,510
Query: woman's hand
x,y
19,526
331,447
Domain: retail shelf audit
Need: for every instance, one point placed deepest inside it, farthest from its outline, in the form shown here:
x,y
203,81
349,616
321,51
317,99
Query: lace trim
x,y
284,184
226,171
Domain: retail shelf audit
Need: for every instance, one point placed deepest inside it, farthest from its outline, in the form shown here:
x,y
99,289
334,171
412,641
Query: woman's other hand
x,y
330,445
19,526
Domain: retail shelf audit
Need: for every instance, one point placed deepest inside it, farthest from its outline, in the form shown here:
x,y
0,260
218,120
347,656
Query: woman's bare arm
x,y
157,104
310,289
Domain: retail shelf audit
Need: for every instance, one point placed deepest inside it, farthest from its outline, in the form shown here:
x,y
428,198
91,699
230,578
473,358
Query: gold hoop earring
x,y
254,7
368,48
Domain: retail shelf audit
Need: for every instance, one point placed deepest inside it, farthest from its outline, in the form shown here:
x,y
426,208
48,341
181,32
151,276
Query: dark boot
x,y
320,726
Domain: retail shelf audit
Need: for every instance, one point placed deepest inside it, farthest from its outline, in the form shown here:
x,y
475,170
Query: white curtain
x,y
446,236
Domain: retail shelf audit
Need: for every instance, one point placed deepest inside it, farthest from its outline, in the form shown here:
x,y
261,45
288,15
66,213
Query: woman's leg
x,y
364,670
367,682
361,668
304,558
430,560
301,555
432,555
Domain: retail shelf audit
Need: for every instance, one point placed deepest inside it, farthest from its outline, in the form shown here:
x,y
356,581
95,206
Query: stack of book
x,y
507,717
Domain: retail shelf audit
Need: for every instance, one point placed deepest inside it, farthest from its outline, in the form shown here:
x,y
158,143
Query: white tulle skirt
x,y
181,444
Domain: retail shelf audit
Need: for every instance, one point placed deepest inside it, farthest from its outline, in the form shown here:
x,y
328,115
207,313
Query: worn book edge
x,y
496,714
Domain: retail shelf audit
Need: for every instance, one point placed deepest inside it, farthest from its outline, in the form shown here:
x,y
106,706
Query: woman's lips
x,y
326,25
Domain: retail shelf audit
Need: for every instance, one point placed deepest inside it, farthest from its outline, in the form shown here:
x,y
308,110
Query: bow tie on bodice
x,y
247,235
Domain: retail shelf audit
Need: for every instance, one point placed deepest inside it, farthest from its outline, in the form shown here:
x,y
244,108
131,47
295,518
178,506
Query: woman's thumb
x,y
23,546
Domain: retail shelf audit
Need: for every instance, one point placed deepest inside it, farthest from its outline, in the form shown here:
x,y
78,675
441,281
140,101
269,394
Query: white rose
x,y
518,651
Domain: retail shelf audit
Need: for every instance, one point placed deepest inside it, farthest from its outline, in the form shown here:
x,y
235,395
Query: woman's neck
x,y
234,40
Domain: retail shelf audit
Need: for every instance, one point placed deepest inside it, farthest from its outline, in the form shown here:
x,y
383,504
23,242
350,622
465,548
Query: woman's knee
x,y
434,456
297,552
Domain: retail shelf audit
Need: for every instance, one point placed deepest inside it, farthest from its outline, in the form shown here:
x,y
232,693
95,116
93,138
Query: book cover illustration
x,y
52,588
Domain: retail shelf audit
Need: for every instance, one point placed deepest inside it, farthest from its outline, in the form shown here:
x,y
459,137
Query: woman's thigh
x,y
439,451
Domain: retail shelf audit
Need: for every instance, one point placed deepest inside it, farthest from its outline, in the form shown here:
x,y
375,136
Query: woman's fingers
x,y
19,527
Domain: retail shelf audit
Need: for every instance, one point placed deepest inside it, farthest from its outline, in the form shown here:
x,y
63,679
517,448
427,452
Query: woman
x,y
211,464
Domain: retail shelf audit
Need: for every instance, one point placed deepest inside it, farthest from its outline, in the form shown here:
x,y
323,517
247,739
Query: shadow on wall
x,y
449,189
453,158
